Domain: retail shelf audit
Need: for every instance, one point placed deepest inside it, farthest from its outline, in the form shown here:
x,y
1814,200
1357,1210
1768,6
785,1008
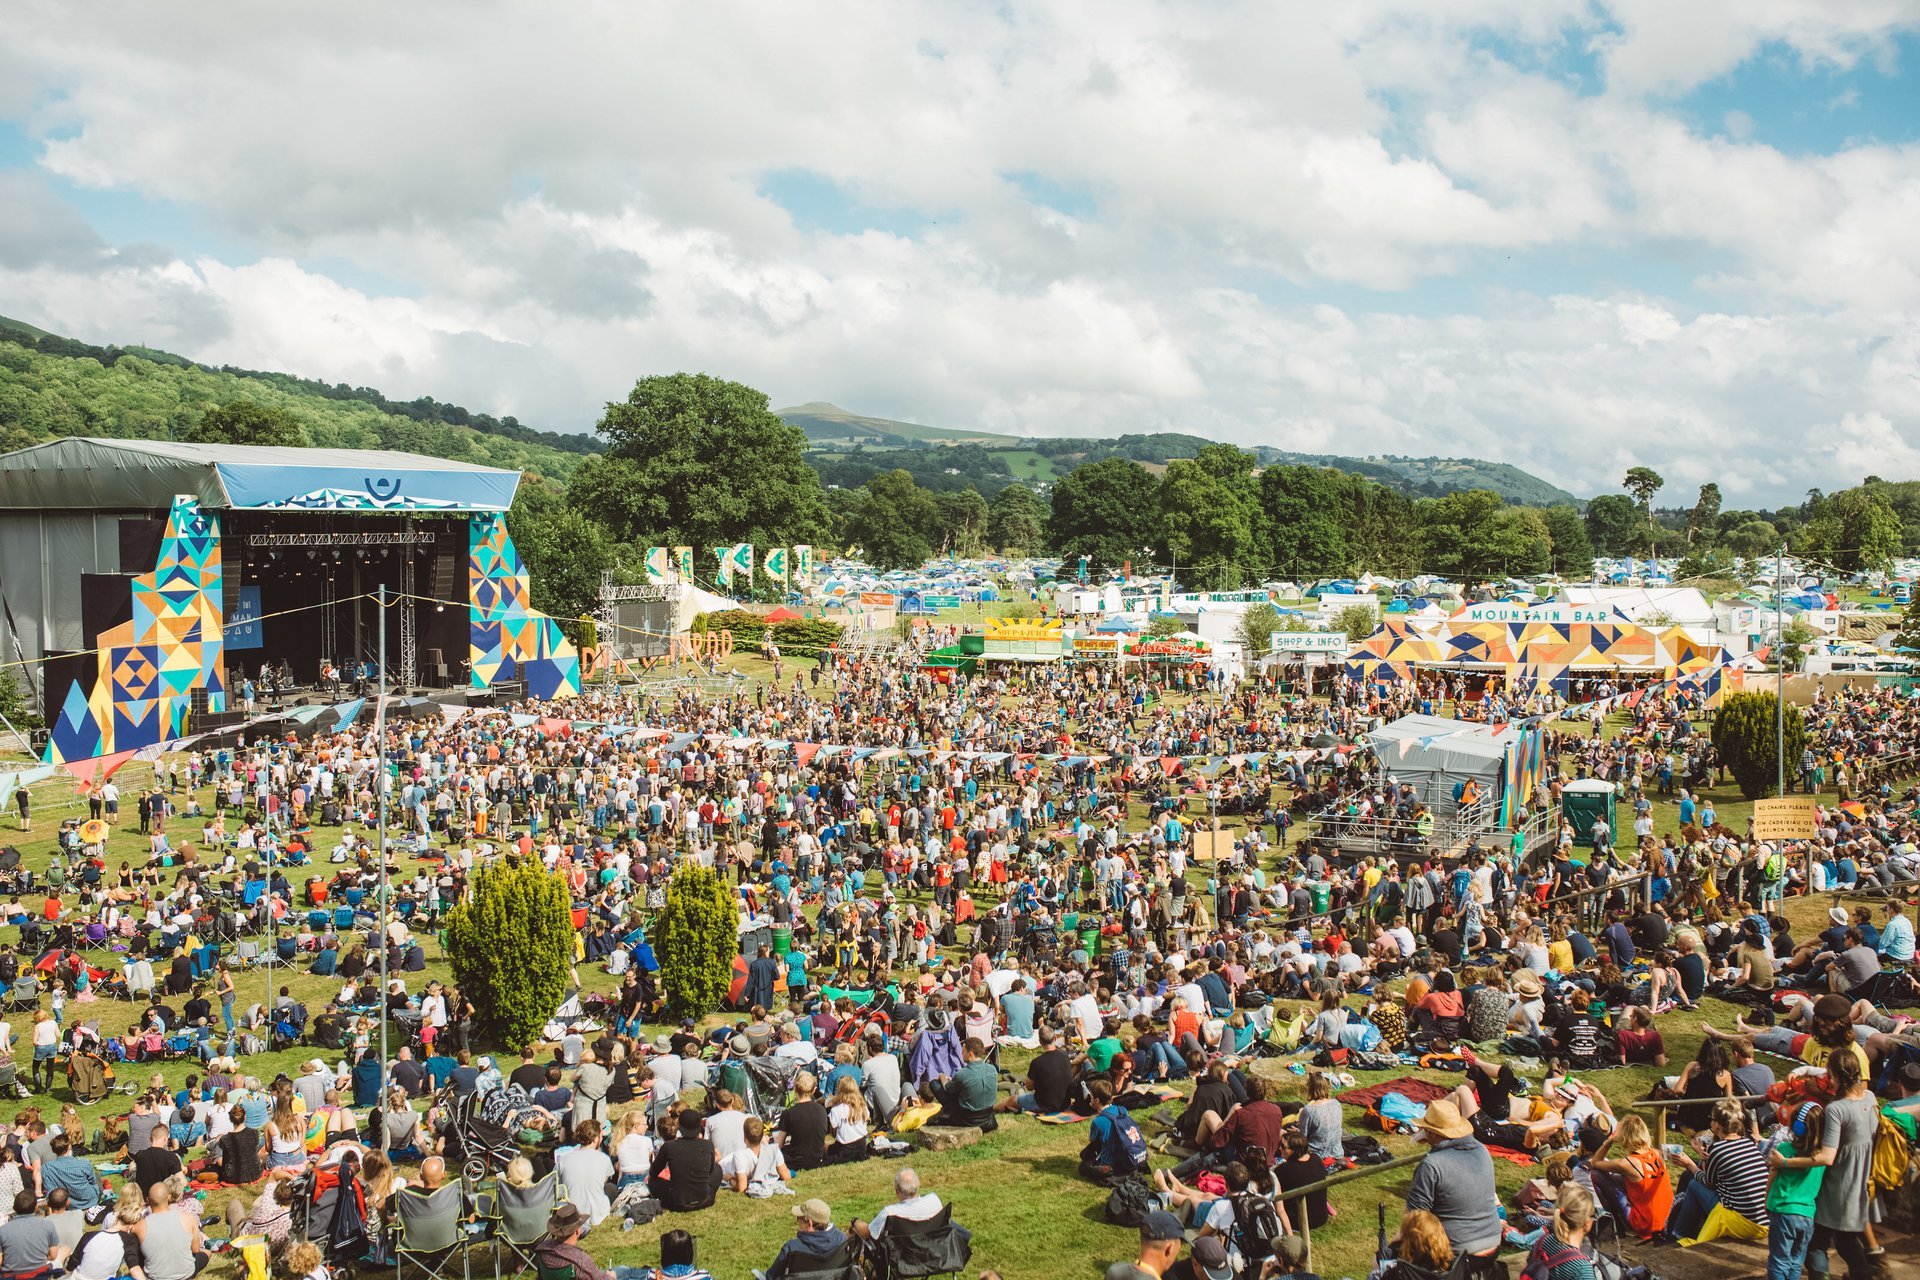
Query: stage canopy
x,y
86,473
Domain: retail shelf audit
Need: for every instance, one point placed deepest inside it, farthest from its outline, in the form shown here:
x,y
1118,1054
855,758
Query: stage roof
x,y
89,473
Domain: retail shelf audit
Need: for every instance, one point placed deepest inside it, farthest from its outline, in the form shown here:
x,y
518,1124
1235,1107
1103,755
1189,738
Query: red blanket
x,y
1411,1087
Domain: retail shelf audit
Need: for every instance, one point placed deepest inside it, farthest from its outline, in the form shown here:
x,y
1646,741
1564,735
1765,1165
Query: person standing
x,y
1845,1151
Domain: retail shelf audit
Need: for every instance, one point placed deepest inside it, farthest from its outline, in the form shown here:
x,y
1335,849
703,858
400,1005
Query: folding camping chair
x,y
518,1216
912,1250
428,1230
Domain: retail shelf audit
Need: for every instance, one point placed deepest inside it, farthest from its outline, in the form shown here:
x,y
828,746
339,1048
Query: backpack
x,y
1892,1164
1255,1226
1129,1203
1122,1149
1548,1252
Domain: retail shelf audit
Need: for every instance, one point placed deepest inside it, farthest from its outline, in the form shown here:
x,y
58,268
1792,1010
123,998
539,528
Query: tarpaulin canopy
x,y
1437,754
84,472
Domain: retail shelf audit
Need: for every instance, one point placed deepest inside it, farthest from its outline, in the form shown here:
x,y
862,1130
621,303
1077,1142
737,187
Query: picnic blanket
x,y
1513,1155
1412,1087
1062,1117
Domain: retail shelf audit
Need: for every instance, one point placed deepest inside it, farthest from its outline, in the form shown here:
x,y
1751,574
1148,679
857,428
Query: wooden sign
x,y
1785,818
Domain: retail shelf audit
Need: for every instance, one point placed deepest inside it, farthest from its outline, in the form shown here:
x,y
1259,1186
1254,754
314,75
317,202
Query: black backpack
x,y
1256,1225
1129,1203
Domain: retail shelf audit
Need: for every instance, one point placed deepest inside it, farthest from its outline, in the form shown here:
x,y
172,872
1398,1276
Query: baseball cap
x,y
1210,1259
1161,1225
814,1211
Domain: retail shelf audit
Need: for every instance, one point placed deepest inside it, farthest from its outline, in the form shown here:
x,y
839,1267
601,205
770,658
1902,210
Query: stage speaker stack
x,y
443,580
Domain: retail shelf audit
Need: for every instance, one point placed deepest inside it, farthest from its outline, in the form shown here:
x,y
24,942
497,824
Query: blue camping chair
x,y
343,917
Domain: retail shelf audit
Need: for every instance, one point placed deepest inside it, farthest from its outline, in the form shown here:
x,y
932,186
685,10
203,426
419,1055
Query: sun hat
x,y
564,1221
1839,915
1443,1117
1527,983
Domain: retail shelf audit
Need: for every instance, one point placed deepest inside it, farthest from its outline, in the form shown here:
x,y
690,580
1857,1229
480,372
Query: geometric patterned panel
x,y
150,665
505,634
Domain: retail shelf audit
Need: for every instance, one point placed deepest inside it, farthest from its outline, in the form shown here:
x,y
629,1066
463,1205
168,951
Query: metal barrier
x,y
1660,1107
1589,906
1302,1226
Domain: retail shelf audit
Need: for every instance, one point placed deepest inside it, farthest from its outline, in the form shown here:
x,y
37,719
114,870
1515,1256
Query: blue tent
x,y
1118,623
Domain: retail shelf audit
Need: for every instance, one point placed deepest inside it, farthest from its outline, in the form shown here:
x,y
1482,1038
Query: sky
x,y
1572,235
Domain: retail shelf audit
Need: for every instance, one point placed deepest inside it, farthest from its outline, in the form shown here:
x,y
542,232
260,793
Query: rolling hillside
x,y
53,386
848,447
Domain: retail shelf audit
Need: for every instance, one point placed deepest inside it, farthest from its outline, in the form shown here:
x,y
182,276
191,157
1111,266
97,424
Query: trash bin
x,y
782,940
1322,896
1090,941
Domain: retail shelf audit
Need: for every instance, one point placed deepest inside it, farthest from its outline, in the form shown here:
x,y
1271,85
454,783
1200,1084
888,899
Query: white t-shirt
x,y
726,1130
1086,1014
918,1209
584,1172
845,1127
762,1168
635,1153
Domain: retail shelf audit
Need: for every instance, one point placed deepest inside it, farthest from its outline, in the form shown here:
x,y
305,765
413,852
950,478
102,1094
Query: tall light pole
x,y
1780,685
380,831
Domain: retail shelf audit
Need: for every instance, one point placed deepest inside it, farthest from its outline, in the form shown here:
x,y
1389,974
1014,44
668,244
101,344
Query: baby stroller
x,y
289,1025
89,1075
769,1080
470,1138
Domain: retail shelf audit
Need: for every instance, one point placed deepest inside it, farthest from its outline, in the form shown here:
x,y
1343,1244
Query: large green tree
x,y
1855,529
1613,524
1747,734
895,522
1643,483
700,461
1016,522
564,549
1299,521
695,940
511,943
1569,551
1206,514
244,422
1706,512
1107,511
962,517
1475,535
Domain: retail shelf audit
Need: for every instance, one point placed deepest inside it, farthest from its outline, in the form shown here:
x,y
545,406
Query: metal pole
x,y
1780,686
380,834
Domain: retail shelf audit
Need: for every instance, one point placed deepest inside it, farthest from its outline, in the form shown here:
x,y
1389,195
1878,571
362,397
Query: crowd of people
x,y
947,871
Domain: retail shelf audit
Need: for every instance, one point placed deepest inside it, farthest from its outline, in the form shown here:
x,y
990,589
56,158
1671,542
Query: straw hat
x,y
1527,983
1443,1118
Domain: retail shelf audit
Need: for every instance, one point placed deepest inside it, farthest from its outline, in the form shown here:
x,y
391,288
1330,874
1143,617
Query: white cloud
x,y
570,196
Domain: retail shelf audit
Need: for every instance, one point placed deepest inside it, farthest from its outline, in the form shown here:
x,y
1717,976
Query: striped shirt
x,y
1736,1169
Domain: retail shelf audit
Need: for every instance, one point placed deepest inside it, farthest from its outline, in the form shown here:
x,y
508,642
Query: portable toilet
x,y
1585,802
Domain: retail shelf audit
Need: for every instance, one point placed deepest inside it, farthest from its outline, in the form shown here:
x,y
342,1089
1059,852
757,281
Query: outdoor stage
x,y
145,582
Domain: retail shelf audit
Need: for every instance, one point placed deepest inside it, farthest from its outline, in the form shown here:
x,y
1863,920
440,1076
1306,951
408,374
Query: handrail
x,y
1304,1228
1660,1107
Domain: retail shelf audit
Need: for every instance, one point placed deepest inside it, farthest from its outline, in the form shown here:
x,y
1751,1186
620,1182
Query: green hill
x,y
53,386
830,425
848,447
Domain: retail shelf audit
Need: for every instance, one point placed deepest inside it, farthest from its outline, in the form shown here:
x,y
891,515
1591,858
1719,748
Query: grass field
x,y
1028,465
1016,1190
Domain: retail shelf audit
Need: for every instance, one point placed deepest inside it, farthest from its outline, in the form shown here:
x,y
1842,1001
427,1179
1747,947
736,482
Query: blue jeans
x,y
1690,1209
1788,1236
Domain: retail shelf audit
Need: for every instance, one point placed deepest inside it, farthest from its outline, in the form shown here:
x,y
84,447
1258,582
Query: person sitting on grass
x,y
1115,1150
967,1098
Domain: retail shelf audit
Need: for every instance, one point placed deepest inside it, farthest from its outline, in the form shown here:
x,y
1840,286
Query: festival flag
x,y
1083,567
656,563
683,558
802,565
724,575
776,563
743,560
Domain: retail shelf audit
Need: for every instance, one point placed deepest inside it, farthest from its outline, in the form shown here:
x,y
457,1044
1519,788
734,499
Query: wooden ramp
x,y
1747,1259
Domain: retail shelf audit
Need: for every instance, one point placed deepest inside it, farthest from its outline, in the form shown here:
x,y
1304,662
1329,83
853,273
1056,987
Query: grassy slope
x,y
43,396
1015,1190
